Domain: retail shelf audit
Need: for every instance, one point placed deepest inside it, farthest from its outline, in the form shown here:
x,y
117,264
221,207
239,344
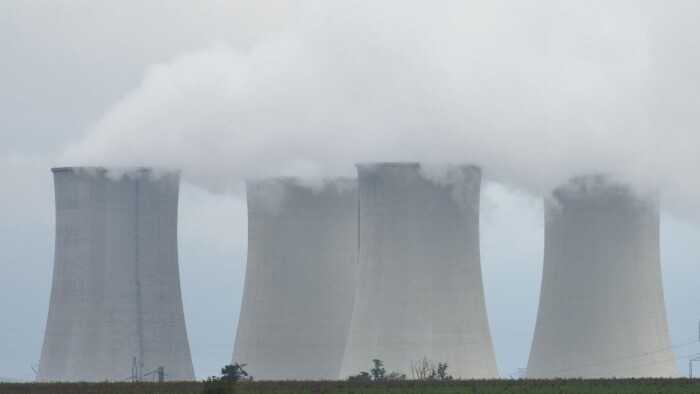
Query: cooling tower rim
x,y
597,178
596,186
412,164
297,178
288,183
586,183
298,181
103,169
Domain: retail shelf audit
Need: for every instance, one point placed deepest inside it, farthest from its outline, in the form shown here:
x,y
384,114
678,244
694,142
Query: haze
x,y
534,93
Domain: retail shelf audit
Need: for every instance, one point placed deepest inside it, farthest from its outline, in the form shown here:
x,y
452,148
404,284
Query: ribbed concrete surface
x,y
116,286
300,279
419,292
602,311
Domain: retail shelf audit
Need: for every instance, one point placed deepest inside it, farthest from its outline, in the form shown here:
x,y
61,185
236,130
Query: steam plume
x,y
533,93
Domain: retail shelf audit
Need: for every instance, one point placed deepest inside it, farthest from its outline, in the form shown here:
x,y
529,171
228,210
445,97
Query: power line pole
x,y
693,358
134,371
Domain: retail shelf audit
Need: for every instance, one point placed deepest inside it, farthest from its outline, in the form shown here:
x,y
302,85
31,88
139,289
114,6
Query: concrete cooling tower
x,y
300,279
116,286
419,288
601,310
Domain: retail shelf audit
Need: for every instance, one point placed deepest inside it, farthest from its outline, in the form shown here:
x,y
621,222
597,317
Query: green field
x,y
408,386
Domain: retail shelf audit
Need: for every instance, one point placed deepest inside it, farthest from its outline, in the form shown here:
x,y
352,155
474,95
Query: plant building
x,y
116,310
300,279
419,287
601,311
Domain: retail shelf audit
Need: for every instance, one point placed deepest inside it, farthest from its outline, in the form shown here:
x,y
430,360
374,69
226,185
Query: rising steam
x,y
535,94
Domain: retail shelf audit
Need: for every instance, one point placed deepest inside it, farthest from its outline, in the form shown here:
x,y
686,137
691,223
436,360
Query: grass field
x,y
408,386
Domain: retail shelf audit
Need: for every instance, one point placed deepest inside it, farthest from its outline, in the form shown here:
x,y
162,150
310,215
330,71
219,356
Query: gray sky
x,y
534,92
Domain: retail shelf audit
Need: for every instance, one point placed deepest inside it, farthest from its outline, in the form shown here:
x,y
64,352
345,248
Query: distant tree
x,y
424,369
442,372
235,373
378,372
230,374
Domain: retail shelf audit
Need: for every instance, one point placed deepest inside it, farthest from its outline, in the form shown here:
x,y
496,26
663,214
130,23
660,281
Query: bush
x,y
363,376
424,369
377,374
230,374
396,376
214,385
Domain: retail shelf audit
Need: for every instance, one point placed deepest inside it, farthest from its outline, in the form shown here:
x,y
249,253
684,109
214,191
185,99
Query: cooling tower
x,y
601,310
116,288
419,289
300,279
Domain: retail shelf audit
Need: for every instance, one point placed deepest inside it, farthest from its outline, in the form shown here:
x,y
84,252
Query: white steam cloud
x,y
534,92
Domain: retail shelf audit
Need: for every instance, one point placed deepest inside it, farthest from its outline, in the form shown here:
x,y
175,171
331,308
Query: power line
x,y
633,356
21,330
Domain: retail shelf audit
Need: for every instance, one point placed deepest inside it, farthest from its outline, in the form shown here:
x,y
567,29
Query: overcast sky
x,y
534,92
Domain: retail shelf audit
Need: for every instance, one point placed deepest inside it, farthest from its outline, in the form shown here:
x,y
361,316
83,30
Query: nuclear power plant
x,y
300,279
419,289
601,311
115,312
386,266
